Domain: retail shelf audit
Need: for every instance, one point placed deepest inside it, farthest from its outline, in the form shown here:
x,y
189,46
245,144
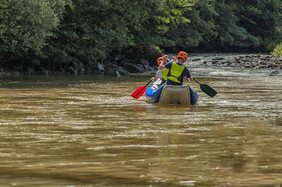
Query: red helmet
x,y
182,55
159,60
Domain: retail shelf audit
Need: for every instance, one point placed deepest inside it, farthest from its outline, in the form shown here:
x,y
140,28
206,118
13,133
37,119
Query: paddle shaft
x,y
196,81
148,83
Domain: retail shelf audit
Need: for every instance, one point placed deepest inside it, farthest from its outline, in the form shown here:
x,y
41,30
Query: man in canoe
x,y
176,70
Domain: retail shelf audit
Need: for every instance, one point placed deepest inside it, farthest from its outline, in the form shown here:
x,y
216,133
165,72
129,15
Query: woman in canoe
x,y
160,76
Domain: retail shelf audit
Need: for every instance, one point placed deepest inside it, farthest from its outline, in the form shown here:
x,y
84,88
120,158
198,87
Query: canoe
x,y
172,94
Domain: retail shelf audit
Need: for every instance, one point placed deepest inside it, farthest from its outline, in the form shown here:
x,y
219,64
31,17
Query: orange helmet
x,y
182,55
161,59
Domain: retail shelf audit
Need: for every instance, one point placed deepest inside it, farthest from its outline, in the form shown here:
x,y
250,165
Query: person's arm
x,y
188,74
166,59
159,74
162,66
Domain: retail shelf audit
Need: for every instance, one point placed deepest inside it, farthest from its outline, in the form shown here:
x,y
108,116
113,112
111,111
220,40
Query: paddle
x,y
207,89
139,91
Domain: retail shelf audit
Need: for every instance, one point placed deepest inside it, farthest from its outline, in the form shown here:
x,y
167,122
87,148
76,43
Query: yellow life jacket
x,y
164,74
175,72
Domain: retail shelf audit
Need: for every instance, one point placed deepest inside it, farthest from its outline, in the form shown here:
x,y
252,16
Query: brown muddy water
x,y
88,131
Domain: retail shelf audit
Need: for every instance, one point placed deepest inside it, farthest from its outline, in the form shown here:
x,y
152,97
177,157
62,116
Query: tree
x,y
26,24
201,27
229,25
260,19
91,30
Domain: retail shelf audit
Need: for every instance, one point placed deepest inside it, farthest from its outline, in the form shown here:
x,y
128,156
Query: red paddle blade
x,y
138,92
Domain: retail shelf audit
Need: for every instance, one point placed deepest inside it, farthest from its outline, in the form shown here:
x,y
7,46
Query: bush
x,y
277,52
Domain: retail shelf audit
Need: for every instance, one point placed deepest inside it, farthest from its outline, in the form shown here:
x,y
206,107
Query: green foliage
x,y
248,24
229,25
26,24
92,30
277,52
200,28
63,31
260,18
2,17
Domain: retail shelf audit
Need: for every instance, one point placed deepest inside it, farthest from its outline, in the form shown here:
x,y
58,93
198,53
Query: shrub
x,y
277,52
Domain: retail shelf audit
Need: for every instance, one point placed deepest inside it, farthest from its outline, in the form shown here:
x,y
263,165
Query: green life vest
x,y
175,72
164,74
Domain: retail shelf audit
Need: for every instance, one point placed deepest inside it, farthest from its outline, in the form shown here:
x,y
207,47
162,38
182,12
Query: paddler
x,y
161,76
176,70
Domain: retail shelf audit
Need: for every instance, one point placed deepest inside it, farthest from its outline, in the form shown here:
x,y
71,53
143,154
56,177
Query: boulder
x,y
115,70
276,72
133,68
146,65
100,67
233,64
73,71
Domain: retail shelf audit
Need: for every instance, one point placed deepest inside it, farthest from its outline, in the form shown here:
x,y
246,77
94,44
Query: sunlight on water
x,y
89,131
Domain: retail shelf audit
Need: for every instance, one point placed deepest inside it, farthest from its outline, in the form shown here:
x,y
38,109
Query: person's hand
x,y
190,79
154,79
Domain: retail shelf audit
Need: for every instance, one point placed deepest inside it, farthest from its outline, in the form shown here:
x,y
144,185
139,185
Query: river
x,y
89,131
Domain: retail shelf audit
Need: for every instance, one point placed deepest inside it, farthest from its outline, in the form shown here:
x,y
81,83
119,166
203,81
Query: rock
x,y
73,71
224,62
144,62
214,61
118,74
122,71
146,65
262,66
274,73
219,58
240,61
248,65
100,67
254,63
63,70
265,57
196,60
81,68
115,70
232,65
133,68
78,67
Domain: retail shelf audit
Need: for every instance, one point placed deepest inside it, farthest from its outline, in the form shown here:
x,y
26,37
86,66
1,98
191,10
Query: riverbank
x,y
243,61
121,67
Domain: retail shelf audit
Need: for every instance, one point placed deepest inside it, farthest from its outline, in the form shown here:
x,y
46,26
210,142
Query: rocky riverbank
x,y
248,61
245,61
121,66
